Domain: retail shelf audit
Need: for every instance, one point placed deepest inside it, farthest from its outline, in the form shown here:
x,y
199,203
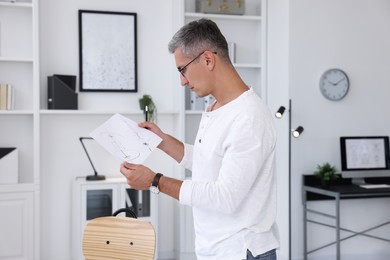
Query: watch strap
x,y
156,179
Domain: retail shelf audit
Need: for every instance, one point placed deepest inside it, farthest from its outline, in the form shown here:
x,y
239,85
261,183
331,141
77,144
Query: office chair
x,y
112,237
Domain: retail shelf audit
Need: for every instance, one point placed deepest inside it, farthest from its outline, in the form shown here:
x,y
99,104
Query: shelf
x,y
194,112
11,59
16,4
16,112
247,65
94,112
224,16
18,187
80,112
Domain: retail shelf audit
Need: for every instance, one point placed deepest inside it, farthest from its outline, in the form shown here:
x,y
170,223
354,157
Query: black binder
x,y
62,92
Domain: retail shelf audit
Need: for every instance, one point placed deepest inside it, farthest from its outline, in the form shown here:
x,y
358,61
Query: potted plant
x,y
326,173
147,105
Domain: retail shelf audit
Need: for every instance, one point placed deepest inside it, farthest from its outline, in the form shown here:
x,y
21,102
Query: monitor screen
x,y
364,153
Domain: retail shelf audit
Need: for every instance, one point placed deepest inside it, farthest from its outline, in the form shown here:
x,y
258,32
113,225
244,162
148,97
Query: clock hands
x,y
335,84
331,83
339,81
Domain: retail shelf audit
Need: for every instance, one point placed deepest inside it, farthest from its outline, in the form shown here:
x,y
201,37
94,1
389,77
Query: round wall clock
x,y
334,84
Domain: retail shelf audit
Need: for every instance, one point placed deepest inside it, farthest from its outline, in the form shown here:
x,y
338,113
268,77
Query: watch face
x,y
154,189
334,84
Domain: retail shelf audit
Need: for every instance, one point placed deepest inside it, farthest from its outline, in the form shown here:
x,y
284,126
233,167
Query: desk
x,y
340,189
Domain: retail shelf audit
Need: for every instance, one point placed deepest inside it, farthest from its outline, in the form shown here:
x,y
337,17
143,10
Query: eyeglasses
x,y
183,69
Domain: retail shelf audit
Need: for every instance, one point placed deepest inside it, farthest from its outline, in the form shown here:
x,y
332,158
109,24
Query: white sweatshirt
x,y
233,190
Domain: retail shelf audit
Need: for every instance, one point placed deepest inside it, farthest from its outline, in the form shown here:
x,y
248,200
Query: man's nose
x,y
183,80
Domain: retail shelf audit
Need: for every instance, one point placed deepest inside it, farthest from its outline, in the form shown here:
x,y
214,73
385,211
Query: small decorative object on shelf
x,y
9,165
326,173
232,51
220,6
147,105
7,97
62,92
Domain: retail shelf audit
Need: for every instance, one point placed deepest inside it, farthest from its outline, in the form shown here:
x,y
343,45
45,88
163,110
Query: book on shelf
x,y
7,97
196,103
232,51
200,103
208,101
3,96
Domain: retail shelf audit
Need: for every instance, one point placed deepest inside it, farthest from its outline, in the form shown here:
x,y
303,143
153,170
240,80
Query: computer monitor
x,y
364,156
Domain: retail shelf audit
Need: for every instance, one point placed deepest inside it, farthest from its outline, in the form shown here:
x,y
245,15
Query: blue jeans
x,y
270,255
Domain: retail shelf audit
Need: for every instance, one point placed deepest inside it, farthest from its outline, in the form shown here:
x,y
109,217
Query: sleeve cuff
x,y
186,162
185,193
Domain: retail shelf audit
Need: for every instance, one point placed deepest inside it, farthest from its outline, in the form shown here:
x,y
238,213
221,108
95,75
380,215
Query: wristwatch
x,y
154,187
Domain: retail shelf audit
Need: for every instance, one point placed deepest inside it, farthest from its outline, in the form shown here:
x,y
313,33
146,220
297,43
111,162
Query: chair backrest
x,y
119,238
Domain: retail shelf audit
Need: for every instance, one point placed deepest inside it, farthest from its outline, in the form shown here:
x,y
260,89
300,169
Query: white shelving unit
x,y
250,62
19,66
250,49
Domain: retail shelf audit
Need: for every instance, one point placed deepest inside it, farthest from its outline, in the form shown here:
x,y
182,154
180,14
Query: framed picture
x,y
108,51
364,153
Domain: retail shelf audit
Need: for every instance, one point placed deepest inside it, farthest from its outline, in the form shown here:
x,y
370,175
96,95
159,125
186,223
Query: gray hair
x,y
198,36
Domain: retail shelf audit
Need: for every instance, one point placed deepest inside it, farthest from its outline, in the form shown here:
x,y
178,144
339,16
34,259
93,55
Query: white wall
x,y
60,50
351,35
278,95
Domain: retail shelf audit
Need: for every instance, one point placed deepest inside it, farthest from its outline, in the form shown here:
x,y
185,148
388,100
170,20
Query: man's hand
x,y
155,129
138,176
170,145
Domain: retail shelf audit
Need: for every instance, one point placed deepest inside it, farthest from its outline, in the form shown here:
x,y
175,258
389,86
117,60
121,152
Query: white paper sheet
x,y
375,186
124,139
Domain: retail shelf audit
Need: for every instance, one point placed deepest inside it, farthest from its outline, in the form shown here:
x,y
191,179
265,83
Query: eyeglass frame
x,y
182,69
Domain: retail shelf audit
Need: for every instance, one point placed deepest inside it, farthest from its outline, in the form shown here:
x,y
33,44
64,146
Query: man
x,y
232,191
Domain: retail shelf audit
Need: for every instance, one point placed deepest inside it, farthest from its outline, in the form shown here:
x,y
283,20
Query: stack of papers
x,y
375,186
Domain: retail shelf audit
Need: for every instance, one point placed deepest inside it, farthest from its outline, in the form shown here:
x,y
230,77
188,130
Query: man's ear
x,y
210,58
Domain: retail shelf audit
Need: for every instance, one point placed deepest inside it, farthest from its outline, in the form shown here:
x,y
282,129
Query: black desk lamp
x,y
96,176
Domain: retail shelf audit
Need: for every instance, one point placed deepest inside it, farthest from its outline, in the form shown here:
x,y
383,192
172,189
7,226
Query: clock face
x,y
334,84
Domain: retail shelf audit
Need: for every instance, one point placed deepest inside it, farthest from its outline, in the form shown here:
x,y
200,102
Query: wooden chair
x,y
107,238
